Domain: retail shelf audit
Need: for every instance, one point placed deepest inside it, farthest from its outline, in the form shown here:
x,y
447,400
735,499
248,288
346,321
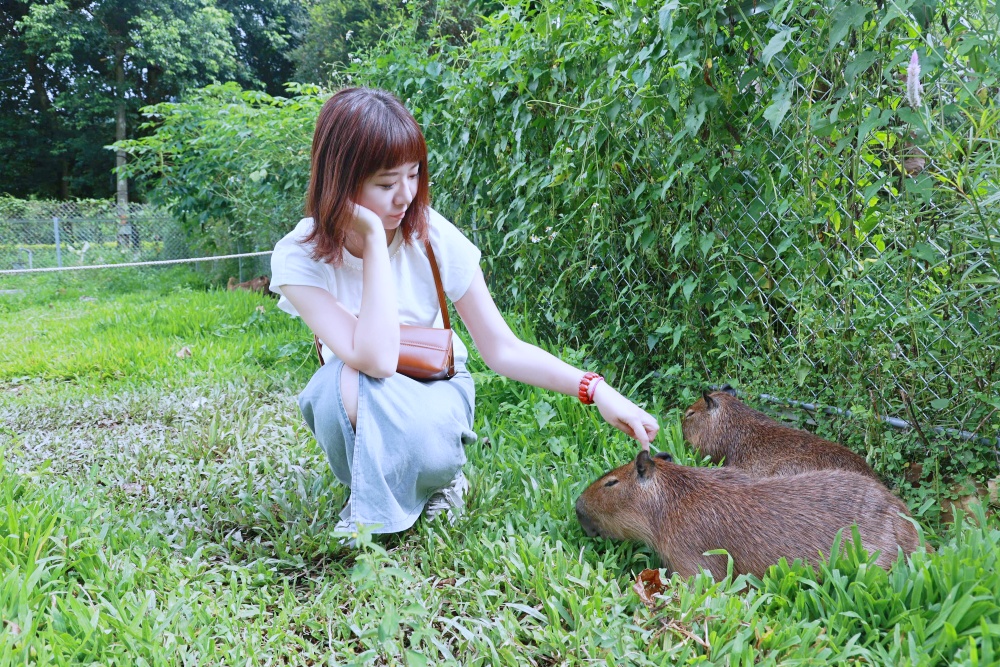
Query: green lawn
x,y
159,510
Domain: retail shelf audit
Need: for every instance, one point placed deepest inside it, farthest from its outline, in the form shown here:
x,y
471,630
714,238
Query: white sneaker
x,y
450,499
346,526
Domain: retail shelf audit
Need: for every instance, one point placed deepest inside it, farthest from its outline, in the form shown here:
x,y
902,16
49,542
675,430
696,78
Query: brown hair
x,y
359,132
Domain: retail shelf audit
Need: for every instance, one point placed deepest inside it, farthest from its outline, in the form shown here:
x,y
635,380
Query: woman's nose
x,y
406,193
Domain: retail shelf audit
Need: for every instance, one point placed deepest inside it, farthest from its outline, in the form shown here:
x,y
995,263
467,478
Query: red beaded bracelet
x,y
585,381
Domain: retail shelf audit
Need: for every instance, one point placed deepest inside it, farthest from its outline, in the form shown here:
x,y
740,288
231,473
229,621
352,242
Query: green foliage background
x,y
692,194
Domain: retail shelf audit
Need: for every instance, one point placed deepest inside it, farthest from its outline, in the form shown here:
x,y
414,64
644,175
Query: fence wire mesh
x,y
80,234
37,235
854,252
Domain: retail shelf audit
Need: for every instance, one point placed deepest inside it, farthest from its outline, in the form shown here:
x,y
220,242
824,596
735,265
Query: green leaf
x,y
678,333
414,659
666,15
780,104
641,76
845,18
776,44
940,403
926,252
861,63
876,118
544,413
689,286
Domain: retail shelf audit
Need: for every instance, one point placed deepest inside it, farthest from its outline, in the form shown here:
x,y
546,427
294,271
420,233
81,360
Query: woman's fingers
x,y
639,428
365,220
639,432
625,415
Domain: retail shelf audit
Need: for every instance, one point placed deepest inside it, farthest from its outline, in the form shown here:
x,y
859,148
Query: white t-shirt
x,y
457,258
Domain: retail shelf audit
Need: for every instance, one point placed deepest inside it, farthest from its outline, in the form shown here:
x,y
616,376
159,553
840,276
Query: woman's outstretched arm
x,y
508,355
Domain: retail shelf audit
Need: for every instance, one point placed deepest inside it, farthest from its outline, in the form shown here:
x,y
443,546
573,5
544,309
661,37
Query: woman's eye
x,y
611,482
386,187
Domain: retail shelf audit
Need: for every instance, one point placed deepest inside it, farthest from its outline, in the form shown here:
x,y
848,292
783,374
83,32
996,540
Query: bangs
x,y
402,142
390,137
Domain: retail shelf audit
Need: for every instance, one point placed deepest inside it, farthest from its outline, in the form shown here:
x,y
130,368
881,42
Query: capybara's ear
x,y
664,455
643,464
709,401
729,390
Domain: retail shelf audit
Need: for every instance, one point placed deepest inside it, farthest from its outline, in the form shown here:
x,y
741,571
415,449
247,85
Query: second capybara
x,y
682,512
724,428
259,284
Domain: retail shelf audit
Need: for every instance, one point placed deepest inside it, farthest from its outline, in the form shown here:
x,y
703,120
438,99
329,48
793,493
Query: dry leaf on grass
x,y
184,352
648,584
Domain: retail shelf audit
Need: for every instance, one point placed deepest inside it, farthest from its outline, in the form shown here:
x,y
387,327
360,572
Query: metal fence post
x,y
55,227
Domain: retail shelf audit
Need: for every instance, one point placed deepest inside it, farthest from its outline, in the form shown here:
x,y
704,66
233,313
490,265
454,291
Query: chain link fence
x,y
821,242
872,257
37,235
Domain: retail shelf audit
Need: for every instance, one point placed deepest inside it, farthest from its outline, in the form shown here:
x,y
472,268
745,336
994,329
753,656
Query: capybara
x,y
258,284
682,512
722,427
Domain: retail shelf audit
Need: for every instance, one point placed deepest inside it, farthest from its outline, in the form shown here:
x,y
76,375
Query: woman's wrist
x,y
588,383
594,384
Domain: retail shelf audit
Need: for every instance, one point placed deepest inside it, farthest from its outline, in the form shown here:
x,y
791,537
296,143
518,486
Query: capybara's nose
x,y
588,526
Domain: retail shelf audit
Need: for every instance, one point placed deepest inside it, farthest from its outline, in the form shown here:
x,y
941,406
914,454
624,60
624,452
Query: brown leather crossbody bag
x,y
425,353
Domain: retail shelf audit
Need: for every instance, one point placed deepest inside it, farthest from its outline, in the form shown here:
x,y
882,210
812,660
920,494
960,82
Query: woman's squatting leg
x,y
394,441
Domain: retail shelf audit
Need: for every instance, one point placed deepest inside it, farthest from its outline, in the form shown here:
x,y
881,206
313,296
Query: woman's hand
x,y
366,222
625,415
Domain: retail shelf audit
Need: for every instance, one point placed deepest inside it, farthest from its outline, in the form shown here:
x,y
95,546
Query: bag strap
x,y
437,283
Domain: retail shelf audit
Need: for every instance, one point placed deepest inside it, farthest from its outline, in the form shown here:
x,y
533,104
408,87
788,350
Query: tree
x,y
339,29
265,33
77,72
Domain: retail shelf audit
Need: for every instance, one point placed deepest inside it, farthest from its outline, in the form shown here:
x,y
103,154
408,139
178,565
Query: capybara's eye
x,y
611,482
688,414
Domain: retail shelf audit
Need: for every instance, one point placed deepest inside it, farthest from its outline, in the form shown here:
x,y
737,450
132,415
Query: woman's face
x,y
388,193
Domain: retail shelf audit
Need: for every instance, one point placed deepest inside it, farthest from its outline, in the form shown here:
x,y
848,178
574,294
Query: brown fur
x,y
682,512
720,426
260,284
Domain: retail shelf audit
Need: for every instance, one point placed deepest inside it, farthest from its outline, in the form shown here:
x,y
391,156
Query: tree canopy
x,y
68,65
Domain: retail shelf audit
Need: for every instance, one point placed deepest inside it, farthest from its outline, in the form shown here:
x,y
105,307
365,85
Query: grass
x,y
162,510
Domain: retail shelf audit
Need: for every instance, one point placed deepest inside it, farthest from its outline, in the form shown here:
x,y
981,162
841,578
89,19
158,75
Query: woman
x,y
354,271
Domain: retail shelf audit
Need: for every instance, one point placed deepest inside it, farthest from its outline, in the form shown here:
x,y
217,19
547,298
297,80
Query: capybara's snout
x,y
585,521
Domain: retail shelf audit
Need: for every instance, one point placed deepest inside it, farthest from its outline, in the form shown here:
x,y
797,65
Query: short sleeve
x,y
457,256
292,265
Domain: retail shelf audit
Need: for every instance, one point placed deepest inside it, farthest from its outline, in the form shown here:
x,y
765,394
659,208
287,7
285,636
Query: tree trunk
x,y
126,234
120,128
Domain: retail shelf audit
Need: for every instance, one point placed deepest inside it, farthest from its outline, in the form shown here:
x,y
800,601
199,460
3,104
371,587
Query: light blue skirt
x,y
410,441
